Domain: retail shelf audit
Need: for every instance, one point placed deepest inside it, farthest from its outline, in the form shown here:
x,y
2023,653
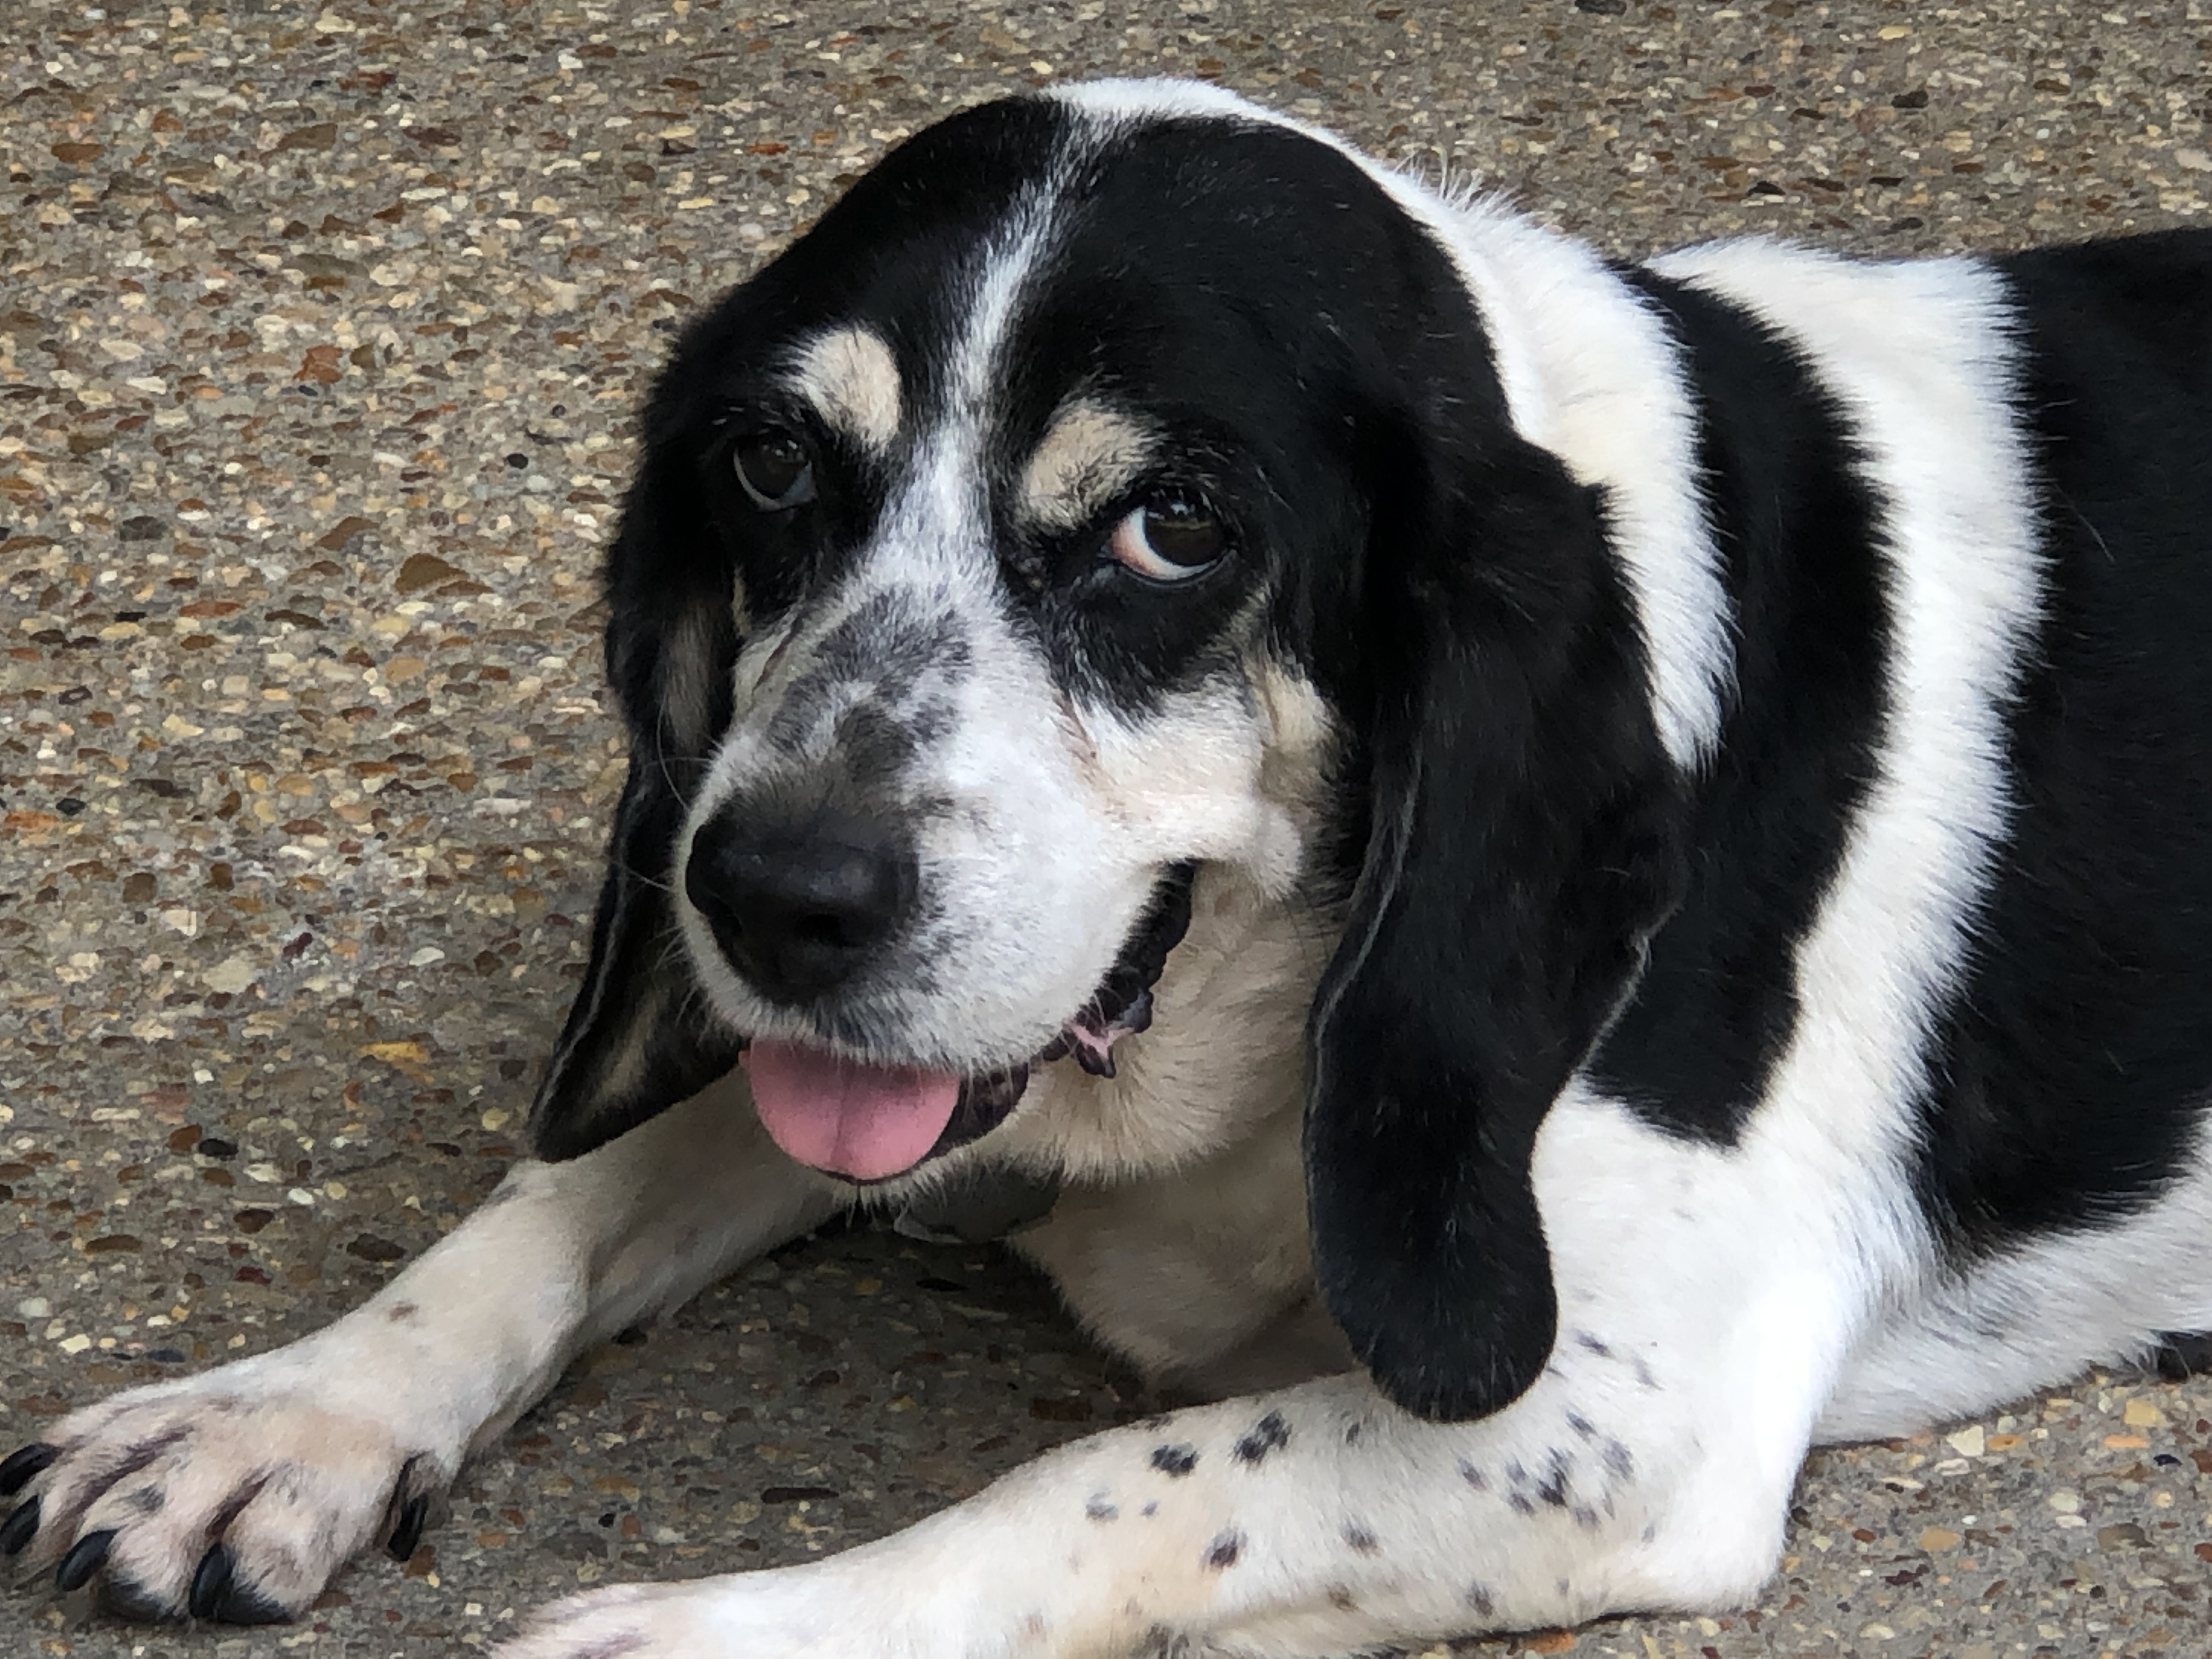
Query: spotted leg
x,y
1706,1307
1316,1519
235,1494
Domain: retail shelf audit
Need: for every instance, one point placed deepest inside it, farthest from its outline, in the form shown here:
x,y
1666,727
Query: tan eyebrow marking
x,y
1090,453
850,376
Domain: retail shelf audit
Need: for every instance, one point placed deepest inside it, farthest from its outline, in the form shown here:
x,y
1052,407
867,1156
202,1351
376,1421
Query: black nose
x,y
797,911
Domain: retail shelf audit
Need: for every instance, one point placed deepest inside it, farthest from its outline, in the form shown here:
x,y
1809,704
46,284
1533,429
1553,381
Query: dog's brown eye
x,y
1169,539
777,469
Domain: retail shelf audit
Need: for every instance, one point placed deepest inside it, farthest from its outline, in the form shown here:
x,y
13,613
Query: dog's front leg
x,y
1648,1466
235,1494
1316,1519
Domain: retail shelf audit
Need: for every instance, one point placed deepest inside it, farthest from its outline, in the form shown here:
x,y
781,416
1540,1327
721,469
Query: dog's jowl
x,y
1567,865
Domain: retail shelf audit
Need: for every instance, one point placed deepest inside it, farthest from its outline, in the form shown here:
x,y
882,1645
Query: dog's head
x,y
994,553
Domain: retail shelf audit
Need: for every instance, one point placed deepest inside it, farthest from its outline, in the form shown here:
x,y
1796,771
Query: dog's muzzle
x,y
869,1121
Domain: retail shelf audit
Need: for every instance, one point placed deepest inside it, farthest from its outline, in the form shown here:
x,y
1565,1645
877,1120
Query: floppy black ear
x,y
640,1035
1521,846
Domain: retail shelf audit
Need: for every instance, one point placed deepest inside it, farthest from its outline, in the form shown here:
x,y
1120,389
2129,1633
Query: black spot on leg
x,y
1360,1538
1149,1510
1553,1489
1585,1517
1269,1434
1473,1477
147,1500
1098,1509
1619,1462
1178,1460
1651,1532
1590,1344
1221,1554
1351,1433
1340,1598
402,1313
1644,1373
1479,1598
1580,1424
1520,1504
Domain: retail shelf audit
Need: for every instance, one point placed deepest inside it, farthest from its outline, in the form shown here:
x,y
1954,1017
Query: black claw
x,y
244,1604
83,1560
17,1531
407,1532
26,1466
210,1582
216,1594
2179,1356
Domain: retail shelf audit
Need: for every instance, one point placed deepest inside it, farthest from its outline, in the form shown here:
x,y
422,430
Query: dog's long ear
x,y
1521,845
640,1036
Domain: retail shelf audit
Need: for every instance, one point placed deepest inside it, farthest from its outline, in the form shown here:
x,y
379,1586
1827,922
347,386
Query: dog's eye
x,y
1170,539
776,468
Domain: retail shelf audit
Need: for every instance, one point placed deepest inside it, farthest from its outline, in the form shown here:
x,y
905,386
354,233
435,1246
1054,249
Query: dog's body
x,y
1662,812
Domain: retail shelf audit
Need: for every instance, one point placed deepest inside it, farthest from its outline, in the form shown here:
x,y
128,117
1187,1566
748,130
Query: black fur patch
x,y
2073,1071
1176,1460
1797,526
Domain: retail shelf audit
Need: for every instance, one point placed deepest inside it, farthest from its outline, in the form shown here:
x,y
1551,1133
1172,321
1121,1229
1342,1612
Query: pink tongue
x,y
854,1120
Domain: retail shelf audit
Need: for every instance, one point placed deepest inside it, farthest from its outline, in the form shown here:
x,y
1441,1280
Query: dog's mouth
x,y
870,1123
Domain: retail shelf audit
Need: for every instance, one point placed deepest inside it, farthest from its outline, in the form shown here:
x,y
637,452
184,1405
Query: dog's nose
x,y
796,911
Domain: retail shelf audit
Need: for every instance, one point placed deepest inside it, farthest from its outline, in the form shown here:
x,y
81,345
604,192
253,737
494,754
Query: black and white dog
x,y
1584,875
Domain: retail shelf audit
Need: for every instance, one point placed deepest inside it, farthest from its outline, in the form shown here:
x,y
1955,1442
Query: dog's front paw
x,y
232,1496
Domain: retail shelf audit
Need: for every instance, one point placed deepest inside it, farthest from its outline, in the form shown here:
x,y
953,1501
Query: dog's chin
x,y
868,1121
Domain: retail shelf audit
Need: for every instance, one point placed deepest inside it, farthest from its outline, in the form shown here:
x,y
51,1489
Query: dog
x,y
1570,877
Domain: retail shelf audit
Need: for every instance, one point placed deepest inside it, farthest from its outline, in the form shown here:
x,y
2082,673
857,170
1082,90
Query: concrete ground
x,y
318,337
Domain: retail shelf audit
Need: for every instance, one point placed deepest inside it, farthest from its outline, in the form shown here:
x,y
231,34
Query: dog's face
x,y
1062,514
1023,506
994,529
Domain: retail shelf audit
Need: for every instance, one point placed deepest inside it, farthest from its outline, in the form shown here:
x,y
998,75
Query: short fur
x,y
1688,783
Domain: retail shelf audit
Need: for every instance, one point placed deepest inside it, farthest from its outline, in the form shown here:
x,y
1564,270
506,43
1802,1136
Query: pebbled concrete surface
x,y
319,332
